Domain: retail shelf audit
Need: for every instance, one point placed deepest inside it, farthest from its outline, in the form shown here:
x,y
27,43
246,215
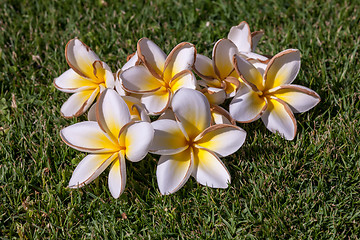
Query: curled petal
x,y
136,108
87,137
255,37
248,73
192,110
247,105
157,102
168,114
181,58
173,171
241,36
215,96
299,98
152,56
109,79
137,137
186,79
209,170
134,60
279,118
168,138
117,176
138,79
90,168
92,113
112,113
80,58
221,116
78,103
72,82
223,53
204,67
223,139
282,68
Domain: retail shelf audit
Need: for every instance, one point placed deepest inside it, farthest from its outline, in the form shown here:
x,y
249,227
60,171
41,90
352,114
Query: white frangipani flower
x,y
190,146
160,76
87,77
108,140
271,95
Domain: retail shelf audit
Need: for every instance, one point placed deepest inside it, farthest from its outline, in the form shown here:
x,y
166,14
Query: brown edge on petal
x,y
81,110
67,60
167,104
76,147
61,89
142,58
217,158
251,85
187,174
249,33
254,35
95,68
258,115
257,59
125,127
130,56
174,50
180,74
223,112
233,80
133,91
79,185
288,111
216,70
274,58
121,157
97,111
300,89
216,127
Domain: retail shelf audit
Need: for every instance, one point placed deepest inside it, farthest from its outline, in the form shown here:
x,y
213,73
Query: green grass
x,y
308,188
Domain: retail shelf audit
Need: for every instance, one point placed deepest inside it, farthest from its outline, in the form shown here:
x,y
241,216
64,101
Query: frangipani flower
x,y
190,146
271,96
132,60
109,140
160,76
87,77
218,74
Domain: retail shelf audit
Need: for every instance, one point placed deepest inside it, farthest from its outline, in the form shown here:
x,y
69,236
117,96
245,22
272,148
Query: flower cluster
x,y
192,131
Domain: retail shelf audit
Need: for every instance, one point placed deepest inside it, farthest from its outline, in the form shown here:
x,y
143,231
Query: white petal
x,y
109,79
215,96
138,79
168,138
152,56
112,113
173,171
90,168
80,58
248,73
204,67
282,68
241,36
168,114
255,37
132,62
209,169
138,137
118,85
92,113
78,103
299,98
181,58
185,80
157,102
222,139
72,82
279,118
87,137
247,106
192,110
117,176
223,53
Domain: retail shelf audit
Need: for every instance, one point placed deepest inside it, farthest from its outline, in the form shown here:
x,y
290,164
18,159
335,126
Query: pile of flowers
x,y
192,131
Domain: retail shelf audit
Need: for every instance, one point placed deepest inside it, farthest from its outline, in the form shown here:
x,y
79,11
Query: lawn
x,y
308,188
